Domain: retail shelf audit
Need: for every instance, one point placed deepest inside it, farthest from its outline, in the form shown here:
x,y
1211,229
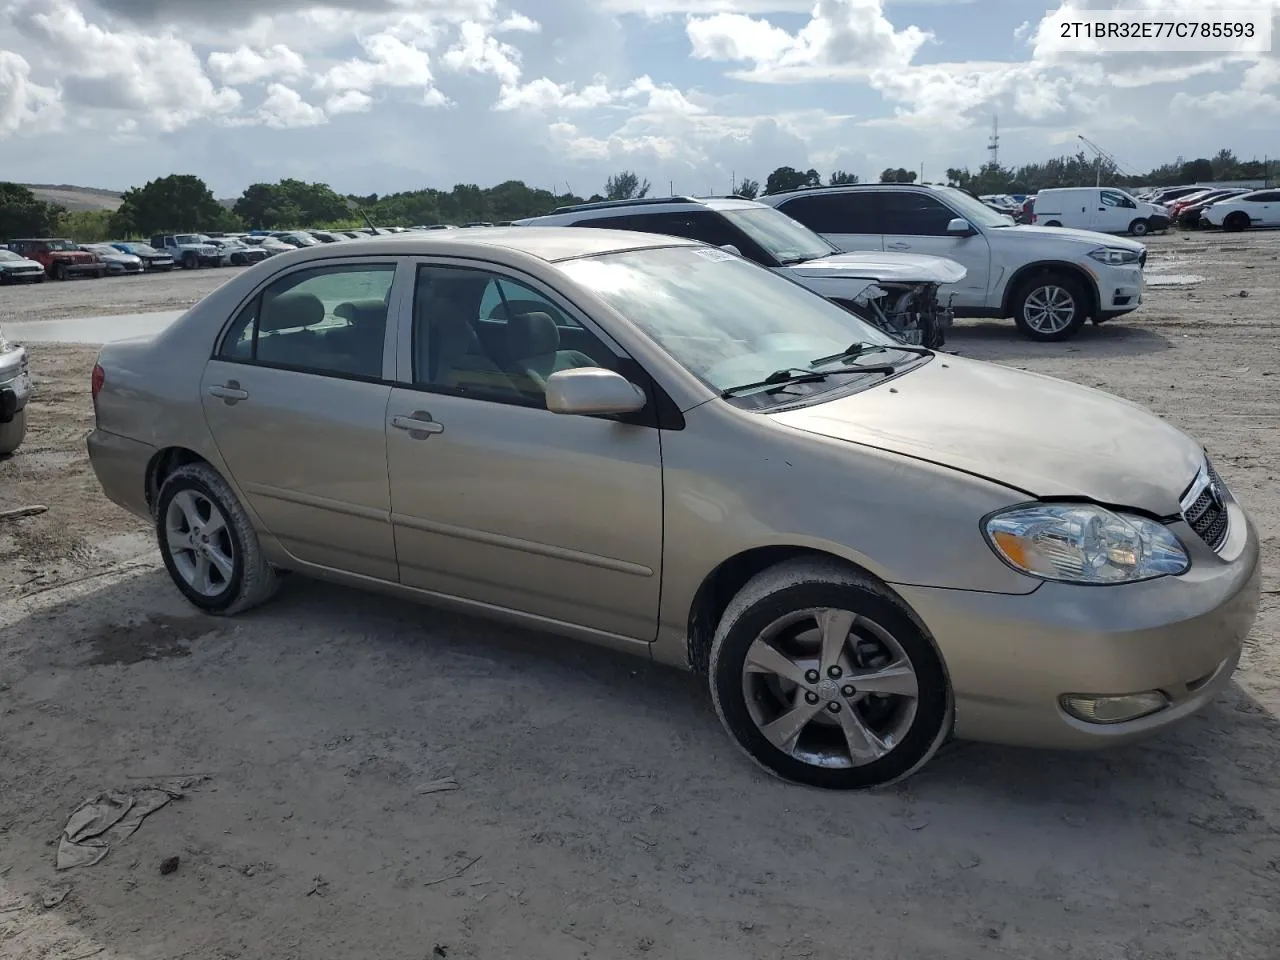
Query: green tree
x,y
86,226
840,178
626,186
1194,171
789,178
897,175
22,214
749,189
178,202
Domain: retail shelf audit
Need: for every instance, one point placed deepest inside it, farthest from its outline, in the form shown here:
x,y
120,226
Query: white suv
x,y
1049,280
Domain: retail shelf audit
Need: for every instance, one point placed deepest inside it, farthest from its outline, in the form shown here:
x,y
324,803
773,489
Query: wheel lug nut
x,y
833,707
848,690
811,676
811,698
833,672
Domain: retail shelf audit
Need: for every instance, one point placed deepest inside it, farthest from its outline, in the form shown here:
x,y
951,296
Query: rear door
x,y
916,222
849,220
1264,209
296,399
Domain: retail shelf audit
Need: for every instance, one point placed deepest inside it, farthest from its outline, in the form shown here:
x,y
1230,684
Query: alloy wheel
x,y
200,543
1049,309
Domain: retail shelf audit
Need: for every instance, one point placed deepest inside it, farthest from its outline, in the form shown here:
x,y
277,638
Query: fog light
x,y
1131,706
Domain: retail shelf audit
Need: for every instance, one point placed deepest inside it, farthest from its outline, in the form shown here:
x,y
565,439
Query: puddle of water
x,y
1173,280
159,637
91,330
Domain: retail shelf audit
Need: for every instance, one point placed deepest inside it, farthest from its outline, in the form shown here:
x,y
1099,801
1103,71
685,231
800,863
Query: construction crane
x,y
1102,155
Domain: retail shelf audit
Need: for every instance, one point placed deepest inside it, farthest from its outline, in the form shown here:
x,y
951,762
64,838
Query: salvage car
x,y
15,268
152,259
1261,208
898,292
61,258
15,391
118,262
191,250
864,547
234,252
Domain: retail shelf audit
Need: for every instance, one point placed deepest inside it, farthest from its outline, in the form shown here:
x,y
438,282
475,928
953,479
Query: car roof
x,y
545,243
839,187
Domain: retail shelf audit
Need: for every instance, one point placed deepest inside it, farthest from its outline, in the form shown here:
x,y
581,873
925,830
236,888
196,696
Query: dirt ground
x,y
599,810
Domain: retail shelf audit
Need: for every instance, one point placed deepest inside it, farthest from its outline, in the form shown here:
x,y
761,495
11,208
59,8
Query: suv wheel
x,y
59,271
1050,307
190,261
824,677
1053,223
1139,227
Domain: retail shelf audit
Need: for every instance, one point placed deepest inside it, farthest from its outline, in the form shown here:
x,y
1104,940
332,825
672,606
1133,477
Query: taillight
x,y
99,378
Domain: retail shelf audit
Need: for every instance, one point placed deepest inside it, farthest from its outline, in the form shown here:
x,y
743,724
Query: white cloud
x,y
478,52
24,105
284,108
389,62
159,77
349,101
519,23
245,65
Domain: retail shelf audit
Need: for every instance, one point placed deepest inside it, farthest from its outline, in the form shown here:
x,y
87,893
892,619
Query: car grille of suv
x,y
1204,507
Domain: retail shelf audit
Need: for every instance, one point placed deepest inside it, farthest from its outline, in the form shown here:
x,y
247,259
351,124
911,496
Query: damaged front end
x,y
900,293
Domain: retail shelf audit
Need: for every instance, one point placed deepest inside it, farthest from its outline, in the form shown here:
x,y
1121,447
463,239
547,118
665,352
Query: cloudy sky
x,y
385,95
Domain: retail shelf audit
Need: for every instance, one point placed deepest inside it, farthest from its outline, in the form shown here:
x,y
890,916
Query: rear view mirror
x,y
959,225
731,248
592,391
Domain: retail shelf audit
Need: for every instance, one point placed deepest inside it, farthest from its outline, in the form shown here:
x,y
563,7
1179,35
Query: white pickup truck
x,y
192,250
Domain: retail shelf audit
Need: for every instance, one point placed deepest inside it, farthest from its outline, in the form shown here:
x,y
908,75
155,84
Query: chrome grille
x,y
1204,507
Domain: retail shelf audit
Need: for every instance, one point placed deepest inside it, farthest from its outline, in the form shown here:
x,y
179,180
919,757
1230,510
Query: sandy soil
x,y
600,811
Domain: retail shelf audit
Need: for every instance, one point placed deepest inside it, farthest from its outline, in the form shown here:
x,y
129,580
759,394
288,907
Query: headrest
x,y
290,310
532,334
372,309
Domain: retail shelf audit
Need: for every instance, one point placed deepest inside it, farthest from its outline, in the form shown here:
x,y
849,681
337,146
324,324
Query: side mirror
x,y
593,391
731,248
959,225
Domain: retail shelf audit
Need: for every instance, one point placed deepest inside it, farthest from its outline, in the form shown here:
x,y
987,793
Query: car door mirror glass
x,y
959,225
592,391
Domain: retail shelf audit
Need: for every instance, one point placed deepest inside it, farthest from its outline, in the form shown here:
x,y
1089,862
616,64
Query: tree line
x,y
184,202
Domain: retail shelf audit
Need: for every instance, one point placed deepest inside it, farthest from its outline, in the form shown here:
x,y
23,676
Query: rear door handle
x,y
419,424
229,391
899,246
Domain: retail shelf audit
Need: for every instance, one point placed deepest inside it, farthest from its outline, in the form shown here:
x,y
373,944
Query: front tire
x,y
13,433
1050,308
1053,223
59,271
1139,228
824,677
190,261
208,543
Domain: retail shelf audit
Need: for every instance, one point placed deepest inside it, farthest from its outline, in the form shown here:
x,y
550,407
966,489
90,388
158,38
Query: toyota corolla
x,y
864,547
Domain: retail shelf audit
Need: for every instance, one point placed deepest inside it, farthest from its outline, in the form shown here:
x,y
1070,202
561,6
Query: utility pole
x,y
993,144
671,188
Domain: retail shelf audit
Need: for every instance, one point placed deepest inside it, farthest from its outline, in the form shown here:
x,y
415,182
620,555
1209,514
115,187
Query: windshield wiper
x,y
792,375
858,348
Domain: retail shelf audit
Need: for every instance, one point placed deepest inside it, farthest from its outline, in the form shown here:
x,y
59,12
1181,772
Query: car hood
x,y
1020,232
119,257
24,264
1043,436
889,267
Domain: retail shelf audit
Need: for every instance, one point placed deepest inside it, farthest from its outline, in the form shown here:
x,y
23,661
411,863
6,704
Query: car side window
x,y
908,213
479,334
1265,197
328,320
1112,199
835,212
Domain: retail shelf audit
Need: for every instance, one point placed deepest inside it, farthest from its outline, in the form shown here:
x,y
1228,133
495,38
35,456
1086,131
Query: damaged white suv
x,y
895,291
1050,280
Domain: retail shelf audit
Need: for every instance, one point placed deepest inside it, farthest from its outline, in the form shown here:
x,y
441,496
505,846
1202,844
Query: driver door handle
x,y
419,424
898,246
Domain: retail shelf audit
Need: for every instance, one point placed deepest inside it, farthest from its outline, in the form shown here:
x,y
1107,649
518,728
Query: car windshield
x,y
725,320
975,211
60,245
786,239
140,248
190,238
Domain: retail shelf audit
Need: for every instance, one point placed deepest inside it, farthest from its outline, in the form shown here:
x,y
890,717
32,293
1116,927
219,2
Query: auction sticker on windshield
x,y
714,255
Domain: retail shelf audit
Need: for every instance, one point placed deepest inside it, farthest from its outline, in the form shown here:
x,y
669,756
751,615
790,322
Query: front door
x,y
498,501
915,222
296,400
851,221
1113,212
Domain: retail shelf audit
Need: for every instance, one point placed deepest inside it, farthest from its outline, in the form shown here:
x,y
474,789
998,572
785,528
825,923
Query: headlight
x,y
1114,255
1082,543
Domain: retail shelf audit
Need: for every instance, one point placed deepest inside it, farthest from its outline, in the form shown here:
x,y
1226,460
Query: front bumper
x,y
15,383
120,268
81,269
1011,658
1158,222
24,275
159,264
1119,289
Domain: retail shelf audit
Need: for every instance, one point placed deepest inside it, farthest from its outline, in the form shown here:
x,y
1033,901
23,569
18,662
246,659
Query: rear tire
x,y
1236,222
786,661
1053,223
208,543
1139,228
13,433
1050,308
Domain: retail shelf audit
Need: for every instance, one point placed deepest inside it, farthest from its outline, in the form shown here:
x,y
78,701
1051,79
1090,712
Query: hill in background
x,y
75,198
